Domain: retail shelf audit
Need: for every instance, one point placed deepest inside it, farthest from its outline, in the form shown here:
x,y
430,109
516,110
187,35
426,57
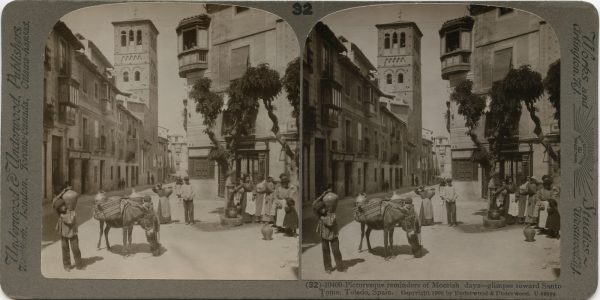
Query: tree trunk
x,y
275,129
538,132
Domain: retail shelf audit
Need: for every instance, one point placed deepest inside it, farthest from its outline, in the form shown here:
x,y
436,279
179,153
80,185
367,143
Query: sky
x,y
95,23
358,26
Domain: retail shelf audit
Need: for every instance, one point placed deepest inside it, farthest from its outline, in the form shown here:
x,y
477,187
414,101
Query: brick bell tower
x,y
399,71
136,72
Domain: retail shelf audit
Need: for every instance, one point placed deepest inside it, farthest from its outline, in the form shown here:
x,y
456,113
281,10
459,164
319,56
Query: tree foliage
x,y
291,85
552,86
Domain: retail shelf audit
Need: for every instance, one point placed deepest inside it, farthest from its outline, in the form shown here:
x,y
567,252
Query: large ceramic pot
x,y
529,233
494,214
231,212
267,232
331,200
70,198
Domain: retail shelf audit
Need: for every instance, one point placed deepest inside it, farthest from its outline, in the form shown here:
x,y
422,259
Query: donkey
x,y
130,215
394,213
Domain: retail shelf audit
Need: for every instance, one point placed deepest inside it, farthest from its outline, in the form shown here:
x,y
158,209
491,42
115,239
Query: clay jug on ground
x,y
529,233
267,232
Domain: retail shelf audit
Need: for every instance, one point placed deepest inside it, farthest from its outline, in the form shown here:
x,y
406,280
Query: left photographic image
x,y
171,144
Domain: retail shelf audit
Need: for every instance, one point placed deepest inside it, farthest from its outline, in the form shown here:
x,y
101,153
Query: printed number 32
x,y
302,9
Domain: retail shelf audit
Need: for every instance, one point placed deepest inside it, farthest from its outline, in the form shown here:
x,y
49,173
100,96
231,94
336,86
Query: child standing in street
x,y
290,221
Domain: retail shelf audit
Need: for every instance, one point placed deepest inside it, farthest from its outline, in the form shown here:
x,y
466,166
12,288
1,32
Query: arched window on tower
x,y
126,76
139,37
386,41
402,40
123,38
388,78
137,76
395,40
400,78
131,38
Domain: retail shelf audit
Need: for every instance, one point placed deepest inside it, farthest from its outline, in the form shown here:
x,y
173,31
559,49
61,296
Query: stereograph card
x,y
320,149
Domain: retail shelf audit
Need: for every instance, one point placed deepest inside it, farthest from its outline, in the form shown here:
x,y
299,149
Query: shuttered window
x,y
502,64
239,62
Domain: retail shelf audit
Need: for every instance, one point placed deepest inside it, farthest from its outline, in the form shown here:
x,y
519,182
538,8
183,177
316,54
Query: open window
x,y
139,37
190,39
386,41
452,41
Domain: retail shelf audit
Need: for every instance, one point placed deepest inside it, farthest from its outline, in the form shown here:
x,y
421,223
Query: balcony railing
x,y
68,100
192,60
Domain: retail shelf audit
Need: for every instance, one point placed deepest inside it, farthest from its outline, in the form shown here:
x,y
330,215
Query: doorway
x,y
320,176
84,173
101,173
365,176
56,164
348,178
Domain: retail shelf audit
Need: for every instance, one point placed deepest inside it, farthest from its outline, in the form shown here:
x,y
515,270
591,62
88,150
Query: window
x,y
95,173
502,64
126,76
400,78
62,58
84,83
359,94
452,41
240,59
123,38
96,89
375,174
388,79
139,37
504,11
359,176
386,41
395,40
136,76
131,38
326,57
189,39
240,9
402,40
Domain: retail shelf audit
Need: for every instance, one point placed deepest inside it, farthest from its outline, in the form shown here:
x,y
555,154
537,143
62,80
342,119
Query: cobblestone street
x,y
205,250
465,252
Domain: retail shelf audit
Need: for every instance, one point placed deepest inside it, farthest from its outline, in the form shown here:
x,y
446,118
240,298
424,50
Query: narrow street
x,y
468,251
205,250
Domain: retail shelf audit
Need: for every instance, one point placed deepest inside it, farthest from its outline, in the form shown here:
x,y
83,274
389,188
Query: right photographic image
x,y
431,145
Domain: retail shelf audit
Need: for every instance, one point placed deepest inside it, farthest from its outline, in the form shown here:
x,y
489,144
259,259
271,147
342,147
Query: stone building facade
x,y
351,140
238,37
91,140
483,47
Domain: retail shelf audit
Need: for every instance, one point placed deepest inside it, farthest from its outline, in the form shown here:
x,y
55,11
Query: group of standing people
x,y
449,197
534,203
266,202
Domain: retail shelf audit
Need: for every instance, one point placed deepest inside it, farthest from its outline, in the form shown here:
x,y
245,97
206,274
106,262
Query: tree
x,y
263,83
524,85
552,86
291,85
